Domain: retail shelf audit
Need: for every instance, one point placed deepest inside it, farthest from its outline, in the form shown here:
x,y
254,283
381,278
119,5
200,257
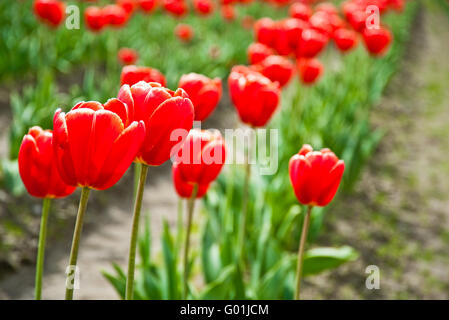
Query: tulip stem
x,y
245,200
302,243
134,233
41,248
71,272
190,208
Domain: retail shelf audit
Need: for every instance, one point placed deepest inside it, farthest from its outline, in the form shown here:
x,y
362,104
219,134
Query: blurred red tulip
x,y
300,11
265,31
115,15
311,43
309,70
320,21
147,5
293,29
127,56
228,12
277,69
377,41
258,52
205,93
128,5
37,166
255,96
132,74
345,39
177,8
315,175
203,7
168,117
327,7
184,32
183,188
201,157
95,18
52,12
92,144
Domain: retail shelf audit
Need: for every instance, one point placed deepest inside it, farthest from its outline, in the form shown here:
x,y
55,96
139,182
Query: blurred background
x,y
385,116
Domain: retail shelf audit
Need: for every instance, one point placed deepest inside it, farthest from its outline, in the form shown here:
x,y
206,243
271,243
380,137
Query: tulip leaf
x,y
317,260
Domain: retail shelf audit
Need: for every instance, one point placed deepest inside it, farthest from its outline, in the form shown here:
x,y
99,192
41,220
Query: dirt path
x,y
399,217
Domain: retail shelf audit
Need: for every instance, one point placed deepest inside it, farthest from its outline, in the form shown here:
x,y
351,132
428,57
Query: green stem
x,y
302,243
41,248
245,200
134,233
190,208
76,241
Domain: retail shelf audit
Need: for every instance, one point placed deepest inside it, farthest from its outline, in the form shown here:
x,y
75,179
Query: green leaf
x,y
220,288
317,260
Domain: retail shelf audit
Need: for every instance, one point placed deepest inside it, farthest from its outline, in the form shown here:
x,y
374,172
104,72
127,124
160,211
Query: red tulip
x,y
183,188
255,96
345,39
128,5
205,93
132,74
277,69
127,56
300,11
315,175
201,157
320,21
177,8
293,29
311,43
51,12
95,18
147,5
94,144
377,41
265,31
258,52
184,32
327,7
309,70
115,15
37,167
168,117
228,12
203,7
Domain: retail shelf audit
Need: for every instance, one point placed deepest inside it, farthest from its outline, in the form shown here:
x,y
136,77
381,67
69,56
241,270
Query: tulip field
x,y
224,149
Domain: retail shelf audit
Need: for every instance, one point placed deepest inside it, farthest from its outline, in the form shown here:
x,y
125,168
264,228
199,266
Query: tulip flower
x,y
198,163
184,32
293,29
377,41
311,43
185,189
131,75
127,56
168,115
345,39
95,18
257,52
309,70
265,31
315,177
94,145
128,5
41,178
147,5
228,12
203,7
255,96
178,8
51,12
277,69
115,15
205,93
327,7
300,11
